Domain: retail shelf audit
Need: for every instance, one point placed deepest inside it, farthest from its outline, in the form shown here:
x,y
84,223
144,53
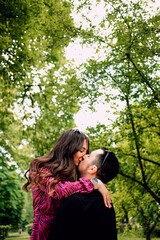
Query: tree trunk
x,y
148,234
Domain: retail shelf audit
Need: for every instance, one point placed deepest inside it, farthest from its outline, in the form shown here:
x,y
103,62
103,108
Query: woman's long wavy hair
x,y
59,161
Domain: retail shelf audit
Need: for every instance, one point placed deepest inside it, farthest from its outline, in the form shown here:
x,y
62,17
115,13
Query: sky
x,y
78,54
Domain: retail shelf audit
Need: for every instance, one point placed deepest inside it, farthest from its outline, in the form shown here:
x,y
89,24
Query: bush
x,y
4,231
29,228
156,231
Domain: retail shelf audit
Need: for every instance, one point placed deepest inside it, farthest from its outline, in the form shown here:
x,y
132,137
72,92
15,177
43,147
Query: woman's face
x,y
78,156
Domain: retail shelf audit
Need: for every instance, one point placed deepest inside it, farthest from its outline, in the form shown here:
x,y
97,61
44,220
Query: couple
x,y
52,180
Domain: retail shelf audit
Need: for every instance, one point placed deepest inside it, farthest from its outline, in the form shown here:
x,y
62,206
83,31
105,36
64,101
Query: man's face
x,y
87,162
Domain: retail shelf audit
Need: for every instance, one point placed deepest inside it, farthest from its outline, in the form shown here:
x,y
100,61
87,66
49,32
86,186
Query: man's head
x,y
100,163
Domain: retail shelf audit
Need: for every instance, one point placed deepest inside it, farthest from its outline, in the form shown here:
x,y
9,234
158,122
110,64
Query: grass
x,y
121,236
17,236
133,236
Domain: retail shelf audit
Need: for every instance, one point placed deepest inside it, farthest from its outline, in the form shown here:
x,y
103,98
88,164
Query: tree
x,y
27,215
133,204
130,66
131,47
57,101
118,71
34,35
36,104
11,202
146,128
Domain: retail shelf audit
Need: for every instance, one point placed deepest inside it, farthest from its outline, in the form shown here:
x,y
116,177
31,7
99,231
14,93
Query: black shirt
x,y
84,216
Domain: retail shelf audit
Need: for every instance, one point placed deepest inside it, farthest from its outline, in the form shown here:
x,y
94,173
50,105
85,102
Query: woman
x,y
52,179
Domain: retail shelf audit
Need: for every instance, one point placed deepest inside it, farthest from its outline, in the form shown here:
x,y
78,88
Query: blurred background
x,y
92,65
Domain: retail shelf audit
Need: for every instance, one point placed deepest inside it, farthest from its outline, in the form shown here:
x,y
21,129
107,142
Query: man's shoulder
x,y
84,196
85,201
80,200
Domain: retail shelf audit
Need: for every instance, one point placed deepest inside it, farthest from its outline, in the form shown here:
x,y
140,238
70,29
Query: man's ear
x,y
92,169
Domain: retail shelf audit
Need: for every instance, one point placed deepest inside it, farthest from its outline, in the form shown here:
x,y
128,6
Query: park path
x,y
16,236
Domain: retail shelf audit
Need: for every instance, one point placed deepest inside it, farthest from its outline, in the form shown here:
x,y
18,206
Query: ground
x,y
25,236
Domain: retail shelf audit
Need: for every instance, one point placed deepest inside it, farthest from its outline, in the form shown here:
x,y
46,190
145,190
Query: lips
x,y
80,160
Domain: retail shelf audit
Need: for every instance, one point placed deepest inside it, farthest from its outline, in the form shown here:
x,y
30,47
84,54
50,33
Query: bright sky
x,y
85,117
79,54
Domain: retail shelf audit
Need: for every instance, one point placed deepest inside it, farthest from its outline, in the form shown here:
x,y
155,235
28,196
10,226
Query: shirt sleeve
x,y
65,189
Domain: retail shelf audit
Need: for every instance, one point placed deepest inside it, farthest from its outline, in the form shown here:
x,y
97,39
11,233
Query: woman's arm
x,y
84,185
102,188
67,188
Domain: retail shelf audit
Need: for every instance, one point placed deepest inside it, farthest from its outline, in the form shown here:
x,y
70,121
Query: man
x,y
84,216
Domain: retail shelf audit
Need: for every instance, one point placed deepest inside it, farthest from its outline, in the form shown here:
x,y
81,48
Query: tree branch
x,y
156,96
136,139
141,184
145,159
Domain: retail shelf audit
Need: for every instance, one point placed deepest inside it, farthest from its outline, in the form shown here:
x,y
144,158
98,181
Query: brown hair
x,y
59,161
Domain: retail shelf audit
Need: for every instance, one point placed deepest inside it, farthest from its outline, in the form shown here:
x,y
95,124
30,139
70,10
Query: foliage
x,y
27,215
29,228
144,202
34,35
11,202
38,94
4,231
57,102
129,37
133,204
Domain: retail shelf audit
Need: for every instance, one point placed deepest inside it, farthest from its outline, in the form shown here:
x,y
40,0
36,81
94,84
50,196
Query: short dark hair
x,y
108,165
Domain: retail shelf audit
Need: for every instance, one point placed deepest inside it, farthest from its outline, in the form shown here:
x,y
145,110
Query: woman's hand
x,y
102,188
